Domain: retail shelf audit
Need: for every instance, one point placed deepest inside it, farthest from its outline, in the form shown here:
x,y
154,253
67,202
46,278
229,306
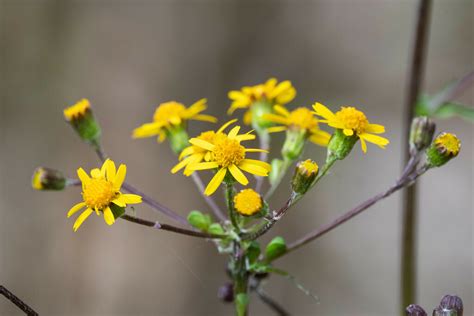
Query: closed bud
x,y
82,119
421,133
305,174
294,144
226,293
340,145
450,305
48,179
415,310
445,147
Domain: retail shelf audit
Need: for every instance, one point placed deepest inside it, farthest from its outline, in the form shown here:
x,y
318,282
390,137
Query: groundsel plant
x,y
222,152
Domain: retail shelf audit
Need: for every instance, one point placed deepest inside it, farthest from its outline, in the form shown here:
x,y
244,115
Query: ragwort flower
x,y
227,155
353,122
248,202
100,190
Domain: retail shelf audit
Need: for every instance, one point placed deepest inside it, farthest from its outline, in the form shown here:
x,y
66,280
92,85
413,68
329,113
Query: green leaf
x,y
275,248
216,228
253,251
448,110
117,210
199,220
241,303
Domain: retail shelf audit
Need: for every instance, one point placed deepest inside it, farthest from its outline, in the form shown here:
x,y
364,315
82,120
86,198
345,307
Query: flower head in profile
x,y
270,92
100,190
353,122
228,156
172,115
77,110
195,154
301,119
248,202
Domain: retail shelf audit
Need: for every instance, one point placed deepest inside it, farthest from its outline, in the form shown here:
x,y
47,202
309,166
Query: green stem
x,y
229,198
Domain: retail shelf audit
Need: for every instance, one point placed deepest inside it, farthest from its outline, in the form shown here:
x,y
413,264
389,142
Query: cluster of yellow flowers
x,y
220,151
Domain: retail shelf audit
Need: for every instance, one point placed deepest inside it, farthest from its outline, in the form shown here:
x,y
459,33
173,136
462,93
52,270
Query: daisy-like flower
x,y
227,155
271,92
100,190
445,147
301,119
171,115
248,202
353,122
195,154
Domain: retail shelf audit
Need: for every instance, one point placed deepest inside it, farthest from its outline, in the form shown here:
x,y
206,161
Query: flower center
x,y
353,119
448,142
303,118
98,193
248,202
166,111
228,151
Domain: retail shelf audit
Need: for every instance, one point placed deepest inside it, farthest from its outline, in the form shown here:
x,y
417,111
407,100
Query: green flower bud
x,y
178,138
82,119
340,145
294,143
415,310
48,179
259,109
305,173
445,147
421,134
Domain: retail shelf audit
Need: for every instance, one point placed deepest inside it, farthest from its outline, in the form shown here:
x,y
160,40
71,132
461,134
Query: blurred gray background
x,y
129,56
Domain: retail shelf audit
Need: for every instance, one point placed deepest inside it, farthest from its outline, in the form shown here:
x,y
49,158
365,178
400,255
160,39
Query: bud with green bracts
x,y
305,174
81,118
445,147
48,179
178,137
294,143
421,134
340,145
259,109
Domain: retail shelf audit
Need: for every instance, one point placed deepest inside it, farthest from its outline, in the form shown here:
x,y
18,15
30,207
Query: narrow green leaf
x,y
199,220
216,228
448,110
117,210
275,248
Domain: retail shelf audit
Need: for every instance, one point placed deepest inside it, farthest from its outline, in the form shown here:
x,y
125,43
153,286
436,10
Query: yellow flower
x,y
300,119
228,155
448,144
247,202
77,110
100,190
281,93
195,154
352,121
170,115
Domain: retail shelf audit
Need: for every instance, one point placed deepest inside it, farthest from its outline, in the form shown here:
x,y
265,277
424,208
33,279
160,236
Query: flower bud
x,y
81,118
305,174
226,293
48,179
248,202
340,145
450,305
294,144
421,133
445,147
415,310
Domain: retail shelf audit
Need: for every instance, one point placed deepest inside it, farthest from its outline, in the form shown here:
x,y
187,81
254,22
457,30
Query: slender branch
x,y
264,139
453,91
17,301
271,302
170,228
408,256
209,200
405,181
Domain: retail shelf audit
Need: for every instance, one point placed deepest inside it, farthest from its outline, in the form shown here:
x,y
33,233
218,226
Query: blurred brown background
x,y
128,56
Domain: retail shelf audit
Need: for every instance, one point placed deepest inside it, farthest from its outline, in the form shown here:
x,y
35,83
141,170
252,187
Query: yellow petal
x,y
197,107
202,143
254,168
320,138
375,139
109,216
363,145
83,176
119,201
375,128
244,137
111,170
348,132
95,173
181,164
186,152
203,165
276,129
223,127
147,130
81,219
215,181
233,132
131,198
205,118
281,110
75,208
286,96
323,111
262,164
276,118
248,117
255,150
238,175
120,177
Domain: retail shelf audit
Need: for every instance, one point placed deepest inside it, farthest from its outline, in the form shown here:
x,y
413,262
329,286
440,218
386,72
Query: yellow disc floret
x,y
171,112
77,110
308,167
448,143
99,193
302,118
228,152
353,119
248,202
